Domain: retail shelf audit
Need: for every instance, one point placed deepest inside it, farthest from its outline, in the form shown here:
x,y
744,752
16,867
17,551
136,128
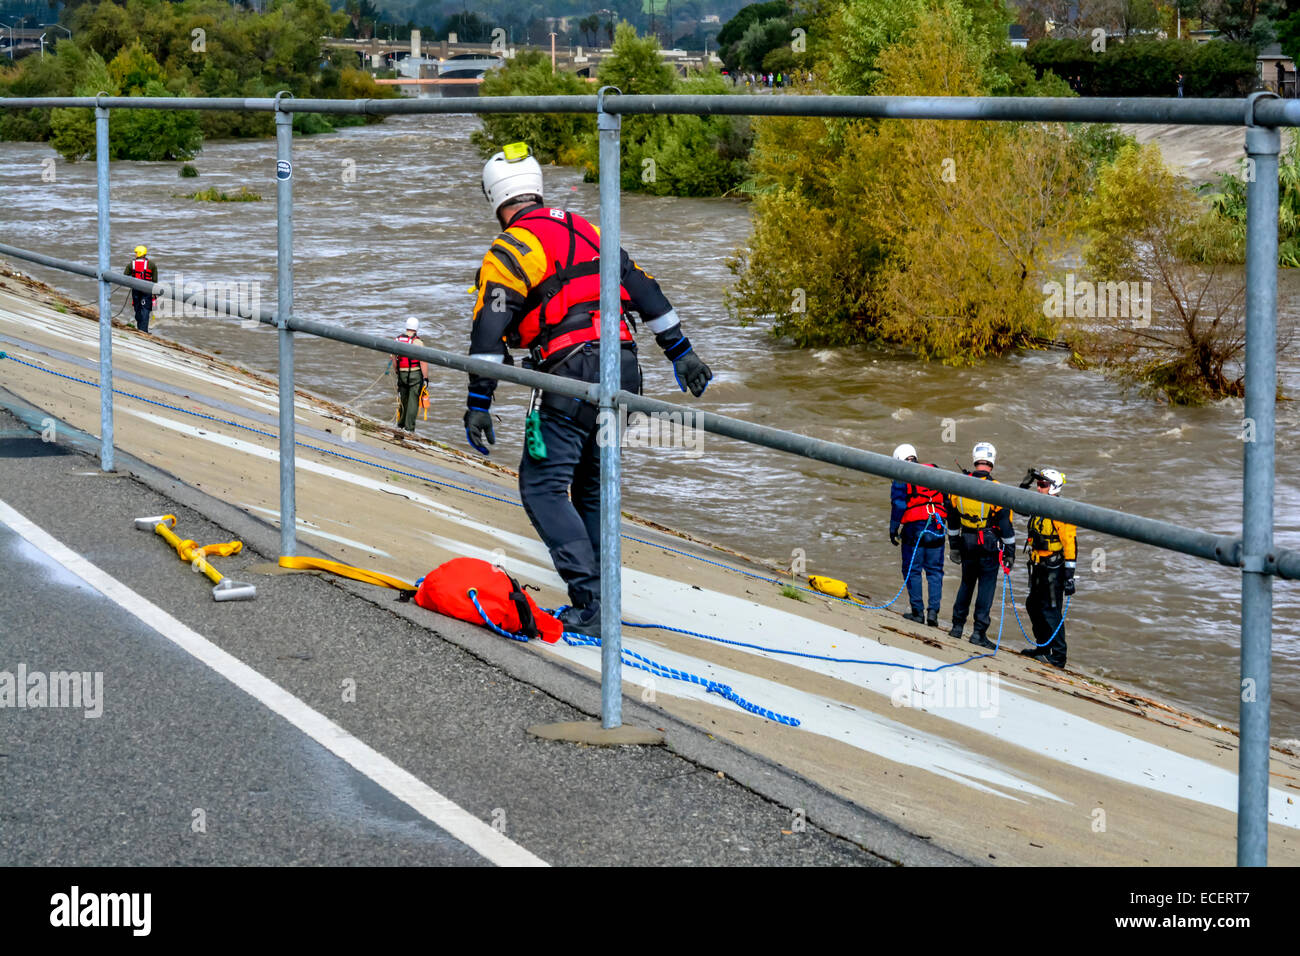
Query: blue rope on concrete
x,y
1065,609
259,431
646,664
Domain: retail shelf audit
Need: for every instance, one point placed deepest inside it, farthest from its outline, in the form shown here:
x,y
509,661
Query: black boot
x,y
981,641
582,620
914,615
932,619
1033,652
955,630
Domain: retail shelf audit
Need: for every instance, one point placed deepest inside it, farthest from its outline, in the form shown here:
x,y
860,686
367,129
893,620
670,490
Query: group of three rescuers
x,y
538,289
982,540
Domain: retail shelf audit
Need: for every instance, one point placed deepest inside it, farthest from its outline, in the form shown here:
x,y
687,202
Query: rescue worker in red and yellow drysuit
x,y
142,267
539,289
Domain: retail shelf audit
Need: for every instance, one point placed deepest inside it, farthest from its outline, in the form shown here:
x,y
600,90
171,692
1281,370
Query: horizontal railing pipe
x,y
1224,549
220,304
1192,112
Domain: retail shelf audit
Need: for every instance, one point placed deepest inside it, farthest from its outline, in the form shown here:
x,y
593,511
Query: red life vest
x,y
924,502
140,269
446,589
571,283
404,362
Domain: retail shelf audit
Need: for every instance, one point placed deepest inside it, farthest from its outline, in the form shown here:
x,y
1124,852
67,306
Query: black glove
x,y
1009,557
893,537
478,428
692,373
1069,584
954,555
1030,477
689,370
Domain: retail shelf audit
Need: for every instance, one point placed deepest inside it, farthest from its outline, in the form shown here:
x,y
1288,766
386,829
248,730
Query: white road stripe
x,y
457,821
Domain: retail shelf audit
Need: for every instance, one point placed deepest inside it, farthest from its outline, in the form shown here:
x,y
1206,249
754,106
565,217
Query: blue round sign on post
x,y
283,169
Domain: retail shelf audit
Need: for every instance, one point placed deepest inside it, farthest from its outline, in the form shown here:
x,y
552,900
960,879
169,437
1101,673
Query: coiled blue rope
x,y
646,664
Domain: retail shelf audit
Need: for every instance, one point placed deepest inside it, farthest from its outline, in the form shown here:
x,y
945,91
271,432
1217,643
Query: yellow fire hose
x,y
377,578
223,589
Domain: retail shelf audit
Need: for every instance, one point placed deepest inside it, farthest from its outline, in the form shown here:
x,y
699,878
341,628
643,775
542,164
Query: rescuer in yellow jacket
x,y
1053,550
981,539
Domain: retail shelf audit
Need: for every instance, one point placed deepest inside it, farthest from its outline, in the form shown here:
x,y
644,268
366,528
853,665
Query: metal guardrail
x,y
1253,552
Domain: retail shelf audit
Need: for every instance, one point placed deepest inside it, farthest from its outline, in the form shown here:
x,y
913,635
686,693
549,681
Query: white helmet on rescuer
x,y
904,452
1057,479
511,173
984,451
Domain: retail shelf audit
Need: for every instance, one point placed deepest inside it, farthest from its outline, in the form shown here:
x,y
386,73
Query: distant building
x,y
1016,35
1276,71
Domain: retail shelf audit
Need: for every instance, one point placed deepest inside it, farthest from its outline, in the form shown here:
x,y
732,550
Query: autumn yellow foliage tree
x,y
923,234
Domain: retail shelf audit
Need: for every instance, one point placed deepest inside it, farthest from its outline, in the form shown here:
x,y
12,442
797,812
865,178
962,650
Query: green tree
x,y
634,65
553,137
72,131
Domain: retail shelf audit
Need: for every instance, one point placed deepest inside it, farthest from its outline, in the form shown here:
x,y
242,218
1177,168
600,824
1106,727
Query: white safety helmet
x,y
984,451
904,452
1057,479
511,173
412,324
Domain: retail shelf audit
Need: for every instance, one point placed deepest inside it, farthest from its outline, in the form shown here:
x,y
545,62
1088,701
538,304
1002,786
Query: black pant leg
x,y
970,571
544,490
988,572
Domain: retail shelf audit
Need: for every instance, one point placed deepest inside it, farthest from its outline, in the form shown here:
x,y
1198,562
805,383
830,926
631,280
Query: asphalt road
x,y
176,737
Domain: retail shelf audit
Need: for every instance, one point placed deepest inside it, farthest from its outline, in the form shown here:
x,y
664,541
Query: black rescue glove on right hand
x,y
1030,477
1069,584
954,554
688,368
478,429
893,537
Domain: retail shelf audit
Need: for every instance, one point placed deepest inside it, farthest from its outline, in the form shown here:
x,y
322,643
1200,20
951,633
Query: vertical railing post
x,y
105,317
283,309
1262,147
611,458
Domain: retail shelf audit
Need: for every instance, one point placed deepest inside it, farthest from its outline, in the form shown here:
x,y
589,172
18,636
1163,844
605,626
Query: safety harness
x,y
561,311
923,503
405,362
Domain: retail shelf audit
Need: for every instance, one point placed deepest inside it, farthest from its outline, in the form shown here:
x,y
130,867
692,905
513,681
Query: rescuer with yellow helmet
x,y
1053,549
142,267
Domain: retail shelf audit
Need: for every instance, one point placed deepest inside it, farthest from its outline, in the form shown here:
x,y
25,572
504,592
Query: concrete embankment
x,y
1200,153
998,760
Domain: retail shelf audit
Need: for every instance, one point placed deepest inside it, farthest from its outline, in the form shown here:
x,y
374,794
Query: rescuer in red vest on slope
x,y
919,519
142,268
539,289
411,376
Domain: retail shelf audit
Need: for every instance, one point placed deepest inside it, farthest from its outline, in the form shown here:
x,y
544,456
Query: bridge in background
x,y
387,54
